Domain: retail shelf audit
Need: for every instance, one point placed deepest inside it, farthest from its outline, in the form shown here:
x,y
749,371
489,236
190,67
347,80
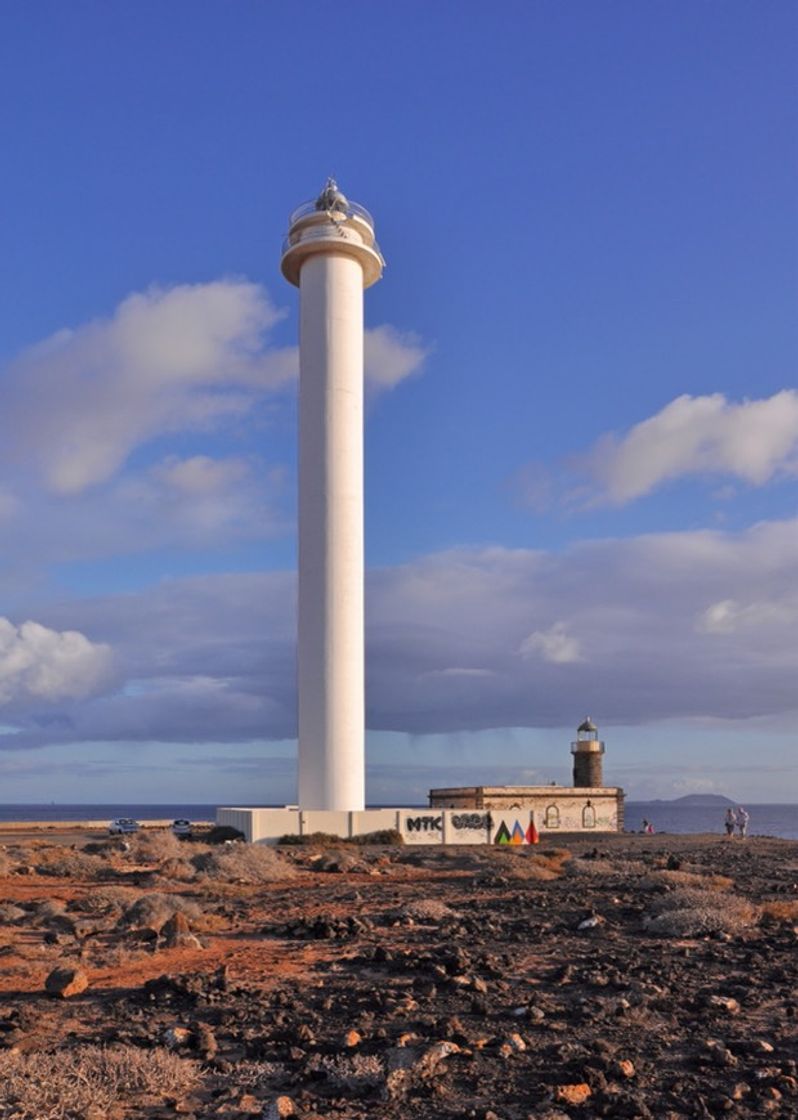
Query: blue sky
x,y
582,431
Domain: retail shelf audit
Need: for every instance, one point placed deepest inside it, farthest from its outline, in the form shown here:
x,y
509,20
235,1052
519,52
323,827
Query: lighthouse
x,y
331,255
587,750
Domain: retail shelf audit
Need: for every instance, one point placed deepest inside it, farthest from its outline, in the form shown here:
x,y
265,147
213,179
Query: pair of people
x,y
739,820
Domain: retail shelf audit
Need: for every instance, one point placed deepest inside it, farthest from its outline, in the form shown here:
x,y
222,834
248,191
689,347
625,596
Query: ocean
x,y
666,816
669,816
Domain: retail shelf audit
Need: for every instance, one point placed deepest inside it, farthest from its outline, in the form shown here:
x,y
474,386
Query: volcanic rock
x,y
64,983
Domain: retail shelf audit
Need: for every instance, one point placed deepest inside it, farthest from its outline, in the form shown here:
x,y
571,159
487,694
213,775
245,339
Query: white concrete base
x,y
416,826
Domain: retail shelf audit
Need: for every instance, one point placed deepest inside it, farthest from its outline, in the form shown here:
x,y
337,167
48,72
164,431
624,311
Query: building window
x,y
552,817
588,816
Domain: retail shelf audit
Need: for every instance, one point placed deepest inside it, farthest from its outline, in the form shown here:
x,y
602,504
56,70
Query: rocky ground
x,y
651,977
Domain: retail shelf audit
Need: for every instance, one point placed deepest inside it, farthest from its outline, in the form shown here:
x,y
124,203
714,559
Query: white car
x,y
123,825
182,828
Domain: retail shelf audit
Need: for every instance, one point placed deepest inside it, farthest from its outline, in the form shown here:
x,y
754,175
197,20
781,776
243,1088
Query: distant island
x,y
700,800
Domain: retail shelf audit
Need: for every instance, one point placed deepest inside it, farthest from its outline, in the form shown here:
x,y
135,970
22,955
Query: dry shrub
x,y
659,880
523,862
258,1077
151,911
692,912
5,863
176,870
312,840
387,837
156,846
221,834
531,870
426,910
243,863
107,900
579,867
73,865
9,913
558,855
359,1073
781,911
65,1085
47,909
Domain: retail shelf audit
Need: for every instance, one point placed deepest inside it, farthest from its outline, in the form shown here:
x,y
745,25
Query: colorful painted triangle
x,y
518,836
532,836
502,835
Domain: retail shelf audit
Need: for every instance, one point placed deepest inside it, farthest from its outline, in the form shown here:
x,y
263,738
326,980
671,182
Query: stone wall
x,y
601,811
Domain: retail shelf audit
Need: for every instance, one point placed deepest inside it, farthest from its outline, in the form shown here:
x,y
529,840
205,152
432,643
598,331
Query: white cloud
x,y
555,645
171,360
77,405
679,626
38,664
753,441
177,503
391,356
729,617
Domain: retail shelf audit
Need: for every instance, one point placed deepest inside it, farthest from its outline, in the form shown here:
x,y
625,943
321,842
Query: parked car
x,y
122,825
182,829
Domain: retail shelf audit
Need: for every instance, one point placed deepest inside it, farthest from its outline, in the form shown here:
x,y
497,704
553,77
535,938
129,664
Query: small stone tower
x,y
587,751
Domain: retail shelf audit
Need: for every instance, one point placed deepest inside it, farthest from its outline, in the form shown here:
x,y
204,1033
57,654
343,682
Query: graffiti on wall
x,y
512,830
470,821
424,824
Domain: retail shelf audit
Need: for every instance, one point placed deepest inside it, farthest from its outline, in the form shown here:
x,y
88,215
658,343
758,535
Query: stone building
x,y
586,806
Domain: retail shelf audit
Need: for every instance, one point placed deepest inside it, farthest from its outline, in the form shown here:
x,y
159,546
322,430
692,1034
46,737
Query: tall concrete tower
x,y
588,751
331,255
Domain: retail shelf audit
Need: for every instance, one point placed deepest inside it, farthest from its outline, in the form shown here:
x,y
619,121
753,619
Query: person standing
x,y
742,822
731,821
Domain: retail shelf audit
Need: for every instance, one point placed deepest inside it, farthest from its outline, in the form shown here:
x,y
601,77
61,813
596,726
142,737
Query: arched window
x,y
552,817
588,816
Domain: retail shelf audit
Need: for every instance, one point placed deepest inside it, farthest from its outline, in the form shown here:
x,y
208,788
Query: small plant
x,y
426,910
5,864
692,912
658,880
176,870
108,900
785,910
155,846
64,1086
359,1073
243,863
74,865
312,840
221,833
9,913
387,837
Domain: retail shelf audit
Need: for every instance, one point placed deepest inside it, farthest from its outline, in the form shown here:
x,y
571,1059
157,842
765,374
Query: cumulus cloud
x,y
38,664
391,356
167,360
693,625
753,441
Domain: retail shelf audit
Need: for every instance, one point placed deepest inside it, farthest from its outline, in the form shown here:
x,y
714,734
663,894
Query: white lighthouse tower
x,y
331,255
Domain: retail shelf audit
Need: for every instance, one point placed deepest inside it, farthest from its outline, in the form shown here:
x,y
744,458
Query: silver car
x,y
123,825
